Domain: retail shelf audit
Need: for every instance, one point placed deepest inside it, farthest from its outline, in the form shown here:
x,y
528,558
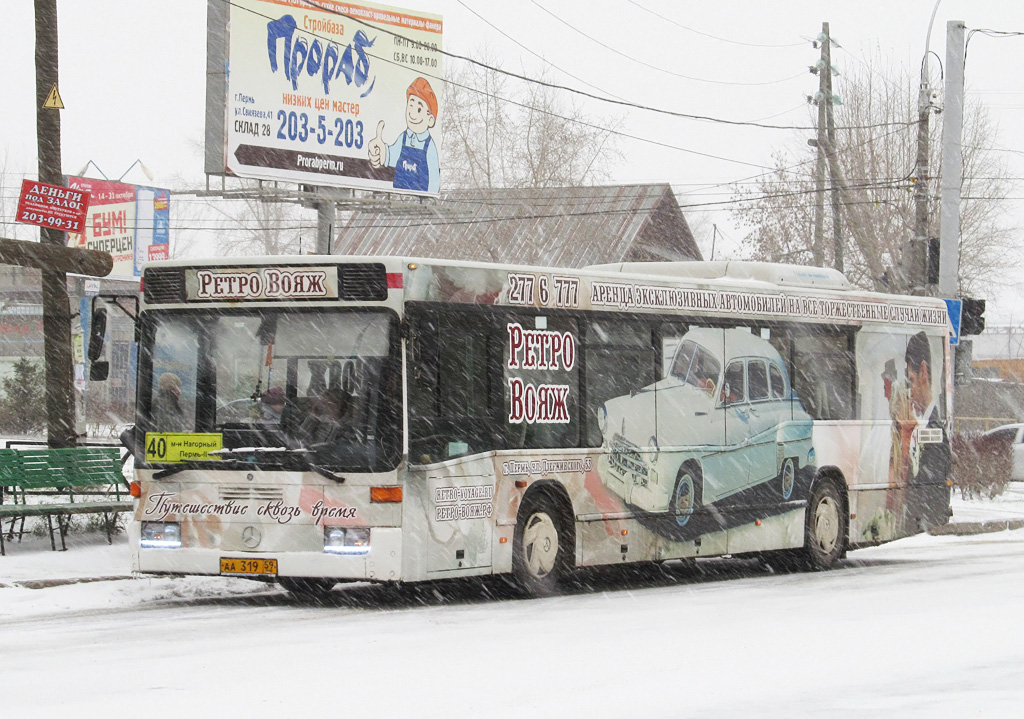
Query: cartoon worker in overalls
x,y
414,154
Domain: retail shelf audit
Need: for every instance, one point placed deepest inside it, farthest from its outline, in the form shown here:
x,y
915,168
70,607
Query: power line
x,y
713,37
536,55
655,67
556,86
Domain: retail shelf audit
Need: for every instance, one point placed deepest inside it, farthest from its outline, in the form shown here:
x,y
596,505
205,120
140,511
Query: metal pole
x,y
326,214
952,162
60,407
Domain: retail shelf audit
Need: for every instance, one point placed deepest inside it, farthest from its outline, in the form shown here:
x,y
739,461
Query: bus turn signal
x,y
385,494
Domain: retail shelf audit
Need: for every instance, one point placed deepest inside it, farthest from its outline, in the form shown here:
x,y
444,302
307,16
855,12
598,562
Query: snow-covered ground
x,y
928,626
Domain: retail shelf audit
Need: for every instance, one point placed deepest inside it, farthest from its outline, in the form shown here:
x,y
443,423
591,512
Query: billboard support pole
x,y
326,214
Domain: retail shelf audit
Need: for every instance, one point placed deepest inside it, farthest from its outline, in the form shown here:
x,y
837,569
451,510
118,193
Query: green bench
x,y
58,483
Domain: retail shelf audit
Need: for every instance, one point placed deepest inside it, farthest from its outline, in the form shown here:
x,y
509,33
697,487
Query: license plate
x,y
231,565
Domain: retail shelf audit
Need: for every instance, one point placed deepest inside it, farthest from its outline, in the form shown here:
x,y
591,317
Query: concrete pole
x,y
915,253
952,162
830,123
818,249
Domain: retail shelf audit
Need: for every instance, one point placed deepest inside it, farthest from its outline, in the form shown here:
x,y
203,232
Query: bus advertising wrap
x,y
333,94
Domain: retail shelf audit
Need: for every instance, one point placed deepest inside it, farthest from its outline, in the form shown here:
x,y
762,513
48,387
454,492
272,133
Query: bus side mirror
x,y
97,333
98,371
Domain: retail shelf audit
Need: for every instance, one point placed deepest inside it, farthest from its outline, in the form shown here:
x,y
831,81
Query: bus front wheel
x,y
539,548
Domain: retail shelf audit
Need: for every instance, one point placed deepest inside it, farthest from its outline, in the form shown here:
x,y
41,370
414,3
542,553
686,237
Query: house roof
x,y
559,227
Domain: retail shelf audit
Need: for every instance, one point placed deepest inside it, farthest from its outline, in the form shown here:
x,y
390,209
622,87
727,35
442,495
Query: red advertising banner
x,y
52,206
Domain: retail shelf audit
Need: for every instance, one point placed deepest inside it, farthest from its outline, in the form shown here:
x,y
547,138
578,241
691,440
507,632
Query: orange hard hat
x,y
421,89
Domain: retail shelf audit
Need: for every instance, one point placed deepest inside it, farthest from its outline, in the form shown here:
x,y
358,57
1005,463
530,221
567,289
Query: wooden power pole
x,y
60,401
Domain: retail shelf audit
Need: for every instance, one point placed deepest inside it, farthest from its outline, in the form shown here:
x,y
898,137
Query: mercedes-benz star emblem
x,y
251,537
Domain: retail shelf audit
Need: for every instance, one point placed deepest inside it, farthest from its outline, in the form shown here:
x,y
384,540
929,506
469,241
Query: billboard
x,y
337,94
132,223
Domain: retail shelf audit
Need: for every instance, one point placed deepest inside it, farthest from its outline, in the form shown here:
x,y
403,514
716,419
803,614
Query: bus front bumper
x,y
382,562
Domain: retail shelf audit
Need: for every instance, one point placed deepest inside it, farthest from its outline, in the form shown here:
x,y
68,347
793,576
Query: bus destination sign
x,y
262,283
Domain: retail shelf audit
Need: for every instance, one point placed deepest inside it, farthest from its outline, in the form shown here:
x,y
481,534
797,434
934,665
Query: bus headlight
x,y
347,540
161,535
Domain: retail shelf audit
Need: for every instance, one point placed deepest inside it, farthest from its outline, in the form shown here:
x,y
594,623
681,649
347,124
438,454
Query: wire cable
x,y
713,37
655,67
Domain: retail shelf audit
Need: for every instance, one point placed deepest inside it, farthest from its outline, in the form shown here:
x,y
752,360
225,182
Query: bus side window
x,y
541,406
620,359
824,373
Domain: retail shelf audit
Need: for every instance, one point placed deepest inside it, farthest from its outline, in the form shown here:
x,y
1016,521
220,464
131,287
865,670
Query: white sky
x,y
133,80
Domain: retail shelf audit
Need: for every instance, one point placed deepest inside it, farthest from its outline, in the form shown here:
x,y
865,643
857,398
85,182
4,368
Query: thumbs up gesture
x,y
378,150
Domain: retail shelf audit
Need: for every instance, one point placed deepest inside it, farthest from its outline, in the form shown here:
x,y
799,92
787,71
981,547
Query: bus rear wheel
x,y
306,587
825,527
539,559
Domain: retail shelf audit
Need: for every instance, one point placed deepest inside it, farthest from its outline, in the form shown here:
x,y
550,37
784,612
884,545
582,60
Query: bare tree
x,y
247,224
500,132
254,226
10,191
876,147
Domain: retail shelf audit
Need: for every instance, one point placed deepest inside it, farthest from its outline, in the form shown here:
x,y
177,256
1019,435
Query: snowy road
x,y
929,626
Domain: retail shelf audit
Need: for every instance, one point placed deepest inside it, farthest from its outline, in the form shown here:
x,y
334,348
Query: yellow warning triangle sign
x,y
53,101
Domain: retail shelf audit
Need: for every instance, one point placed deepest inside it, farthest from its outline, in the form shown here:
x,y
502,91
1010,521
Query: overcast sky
x,y
132,78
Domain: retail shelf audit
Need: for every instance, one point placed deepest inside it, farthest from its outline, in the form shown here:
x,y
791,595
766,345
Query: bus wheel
x,y
825,528
305,587
686,496
538,551
787,478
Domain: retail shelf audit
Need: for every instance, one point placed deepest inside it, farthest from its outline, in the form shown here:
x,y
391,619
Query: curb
x,y
962,529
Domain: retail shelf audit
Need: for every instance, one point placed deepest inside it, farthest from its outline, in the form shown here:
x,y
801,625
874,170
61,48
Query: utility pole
x,y
818,250
60,406
916,253
826,138
952,162
837,237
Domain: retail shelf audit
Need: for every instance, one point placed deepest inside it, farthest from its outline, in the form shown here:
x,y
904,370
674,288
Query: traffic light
x,y
972,317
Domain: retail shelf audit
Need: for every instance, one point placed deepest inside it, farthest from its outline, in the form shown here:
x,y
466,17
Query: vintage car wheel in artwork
x,y
686,496
787,478
307,587
538,551
825,530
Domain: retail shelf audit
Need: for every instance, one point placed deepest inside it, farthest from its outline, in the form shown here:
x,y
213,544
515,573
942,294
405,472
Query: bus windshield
x,y
321,385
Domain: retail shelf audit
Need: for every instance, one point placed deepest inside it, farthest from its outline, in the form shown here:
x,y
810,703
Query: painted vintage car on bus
x,y
721,440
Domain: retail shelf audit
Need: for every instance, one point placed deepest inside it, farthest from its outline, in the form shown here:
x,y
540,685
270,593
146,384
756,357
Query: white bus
x,y
320,419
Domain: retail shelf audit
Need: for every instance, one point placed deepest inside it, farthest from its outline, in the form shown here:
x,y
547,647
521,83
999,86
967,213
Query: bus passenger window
x,y
823,373
620,359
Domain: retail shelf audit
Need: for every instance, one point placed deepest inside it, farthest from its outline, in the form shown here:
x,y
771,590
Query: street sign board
x,y
52,206
953,310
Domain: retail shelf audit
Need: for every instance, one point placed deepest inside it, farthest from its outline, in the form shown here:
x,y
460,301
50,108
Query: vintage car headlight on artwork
x,y
347,540
161,535
652,451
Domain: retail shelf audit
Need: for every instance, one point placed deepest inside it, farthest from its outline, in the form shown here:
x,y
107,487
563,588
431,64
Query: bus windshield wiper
x,y
258,453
